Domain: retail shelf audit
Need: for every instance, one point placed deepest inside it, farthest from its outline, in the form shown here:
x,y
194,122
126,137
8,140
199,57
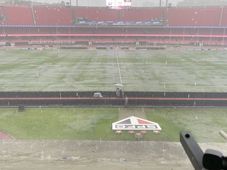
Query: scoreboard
x,y
118,3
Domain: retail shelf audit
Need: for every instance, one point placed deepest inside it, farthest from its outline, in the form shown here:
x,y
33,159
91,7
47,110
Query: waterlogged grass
x,y
173,69
204,123
58,123
95,123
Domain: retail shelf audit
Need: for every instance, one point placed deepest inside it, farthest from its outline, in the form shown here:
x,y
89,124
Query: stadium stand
x,y
46,15
54,15
54,24
145,14
17,15
96,13
2,16
197,16
223,18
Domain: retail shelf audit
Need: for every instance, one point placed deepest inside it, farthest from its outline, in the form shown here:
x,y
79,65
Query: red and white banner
x,y
135,123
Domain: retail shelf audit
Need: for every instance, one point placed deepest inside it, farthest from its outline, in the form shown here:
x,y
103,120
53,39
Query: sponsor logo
x,y
137,127
135,123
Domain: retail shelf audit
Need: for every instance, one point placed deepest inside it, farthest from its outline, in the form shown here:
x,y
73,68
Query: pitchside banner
x,y
118,3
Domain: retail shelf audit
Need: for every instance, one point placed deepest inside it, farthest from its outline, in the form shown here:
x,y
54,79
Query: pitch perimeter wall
x,y
151,99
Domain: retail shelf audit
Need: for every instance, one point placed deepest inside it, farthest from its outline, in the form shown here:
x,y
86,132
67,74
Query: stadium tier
x,y
198,25
11,15
209,16
44,15
106,14
55,15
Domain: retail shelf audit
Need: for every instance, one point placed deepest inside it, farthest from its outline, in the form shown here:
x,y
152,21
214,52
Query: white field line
x,y
119,69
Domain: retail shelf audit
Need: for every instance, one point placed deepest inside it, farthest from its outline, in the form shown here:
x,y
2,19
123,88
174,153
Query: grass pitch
x,y
172,69
57,123
95,123
140,70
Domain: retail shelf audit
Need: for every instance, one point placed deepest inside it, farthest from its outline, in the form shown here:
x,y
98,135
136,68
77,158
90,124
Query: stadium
x,y
68,72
